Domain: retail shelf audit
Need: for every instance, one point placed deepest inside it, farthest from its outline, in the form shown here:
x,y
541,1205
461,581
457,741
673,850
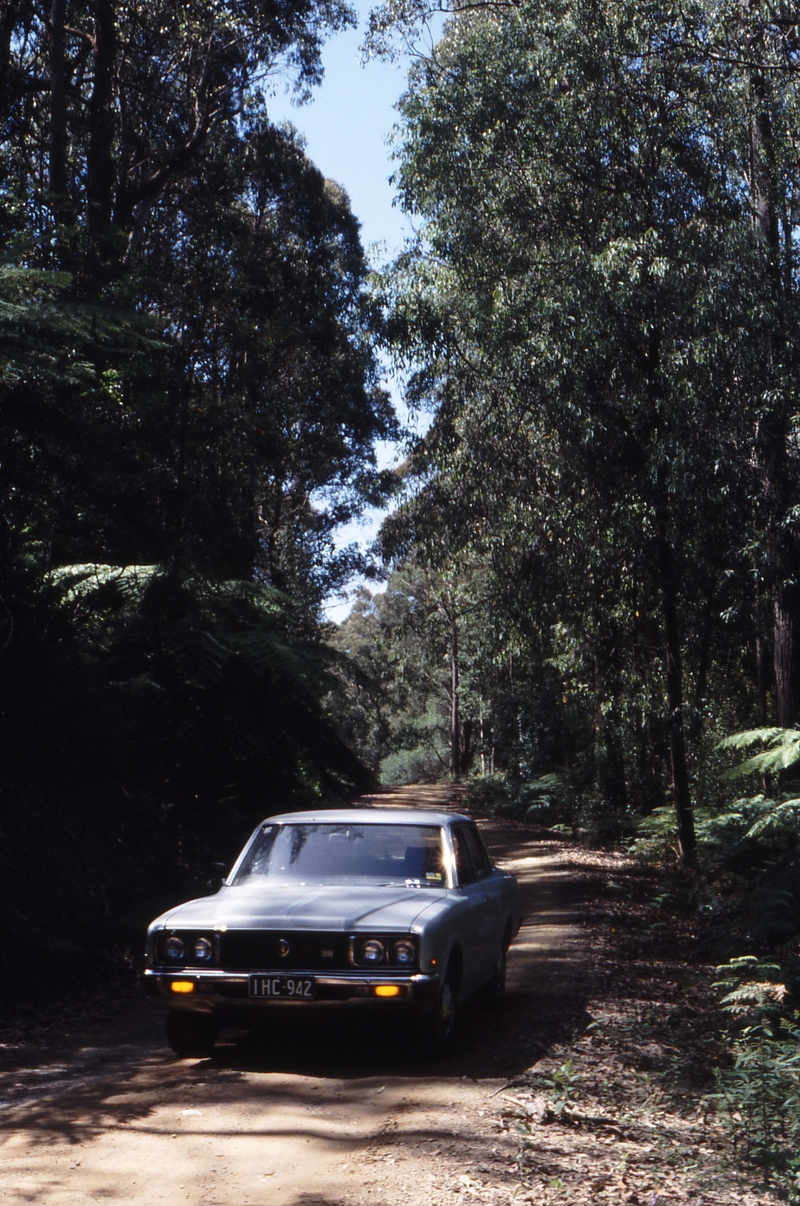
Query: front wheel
x,y
192,1035
437,1026
495,992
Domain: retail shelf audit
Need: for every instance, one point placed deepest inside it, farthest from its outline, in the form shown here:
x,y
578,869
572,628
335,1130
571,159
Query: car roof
x,y
370,816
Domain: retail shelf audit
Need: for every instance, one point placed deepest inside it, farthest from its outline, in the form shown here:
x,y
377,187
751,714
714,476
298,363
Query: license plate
x,y
298,988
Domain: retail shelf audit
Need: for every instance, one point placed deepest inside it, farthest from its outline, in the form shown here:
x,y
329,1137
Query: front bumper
x,y
227,994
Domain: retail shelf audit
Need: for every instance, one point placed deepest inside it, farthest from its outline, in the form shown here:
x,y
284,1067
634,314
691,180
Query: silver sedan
x,y
385,910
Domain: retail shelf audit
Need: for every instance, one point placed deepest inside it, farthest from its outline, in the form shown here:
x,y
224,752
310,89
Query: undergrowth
x,y
758,1097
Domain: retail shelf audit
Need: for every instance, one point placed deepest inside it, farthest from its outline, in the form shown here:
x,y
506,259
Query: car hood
x,y
308,908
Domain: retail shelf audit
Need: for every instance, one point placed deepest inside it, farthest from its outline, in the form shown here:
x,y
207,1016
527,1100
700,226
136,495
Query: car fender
x,y
438,928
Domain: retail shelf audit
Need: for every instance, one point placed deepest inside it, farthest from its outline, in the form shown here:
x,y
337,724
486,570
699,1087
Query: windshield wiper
x,y
411,883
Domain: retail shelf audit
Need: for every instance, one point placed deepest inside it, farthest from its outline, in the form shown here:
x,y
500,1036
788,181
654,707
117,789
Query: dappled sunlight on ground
x,y
348,1115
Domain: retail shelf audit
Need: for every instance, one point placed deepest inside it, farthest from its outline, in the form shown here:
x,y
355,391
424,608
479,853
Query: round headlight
x,y
173,948
403,952
203,950
372,951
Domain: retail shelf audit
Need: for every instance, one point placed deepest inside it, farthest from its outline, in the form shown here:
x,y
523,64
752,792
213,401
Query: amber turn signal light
x,y
387,990
182,986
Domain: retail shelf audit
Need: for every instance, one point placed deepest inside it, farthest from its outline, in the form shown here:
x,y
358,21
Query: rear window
x,y
472,858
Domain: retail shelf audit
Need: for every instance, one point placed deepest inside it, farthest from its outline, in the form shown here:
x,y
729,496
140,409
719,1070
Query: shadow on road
x,y
546,1000
125,1072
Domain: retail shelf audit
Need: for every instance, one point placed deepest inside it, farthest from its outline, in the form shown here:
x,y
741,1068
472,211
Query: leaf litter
x,y
619,1112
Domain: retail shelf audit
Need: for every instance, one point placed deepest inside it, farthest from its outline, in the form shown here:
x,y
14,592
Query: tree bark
x,y
9,16
774,430
765,216
57,157
687,839
455,720
785,656
100,173
468,745
761,661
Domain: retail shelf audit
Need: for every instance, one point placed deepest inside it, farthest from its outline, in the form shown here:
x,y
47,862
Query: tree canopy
x,y
599,311
189,404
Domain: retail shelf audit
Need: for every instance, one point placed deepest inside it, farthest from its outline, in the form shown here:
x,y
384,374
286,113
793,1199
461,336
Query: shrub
x,y
759,1095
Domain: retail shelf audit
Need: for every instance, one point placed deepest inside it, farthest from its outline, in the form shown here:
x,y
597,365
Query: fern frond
x,y
782,751
751,737
758,994
787,810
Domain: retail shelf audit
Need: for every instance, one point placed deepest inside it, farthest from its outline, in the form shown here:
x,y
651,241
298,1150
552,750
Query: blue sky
x,y
346,126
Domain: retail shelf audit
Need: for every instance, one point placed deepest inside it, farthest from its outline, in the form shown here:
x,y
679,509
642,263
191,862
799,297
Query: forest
x,y
593,554
591,557
582,611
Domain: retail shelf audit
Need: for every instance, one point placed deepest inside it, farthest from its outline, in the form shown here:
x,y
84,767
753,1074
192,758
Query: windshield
x,y
326,854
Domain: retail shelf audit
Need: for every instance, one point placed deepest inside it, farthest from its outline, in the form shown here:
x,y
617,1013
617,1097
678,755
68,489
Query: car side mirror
x,y
217,873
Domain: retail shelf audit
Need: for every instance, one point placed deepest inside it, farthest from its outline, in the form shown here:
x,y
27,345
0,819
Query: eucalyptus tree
x,y
588,305
757,45
137,158
217,412
106,105
267,404
189,400
424,661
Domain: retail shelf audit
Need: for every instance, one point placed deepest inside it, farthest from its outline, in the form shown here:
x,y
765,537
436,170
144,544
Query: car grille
x,y
259,950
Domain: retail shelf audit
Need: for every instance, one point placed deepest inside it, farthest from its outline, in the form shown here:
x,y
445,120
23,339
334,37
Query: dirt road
x,y
345,1116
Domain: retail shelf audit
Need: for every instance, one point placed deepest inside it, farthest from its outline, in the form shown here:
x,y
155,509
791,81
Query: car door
x,y
475,929
492,882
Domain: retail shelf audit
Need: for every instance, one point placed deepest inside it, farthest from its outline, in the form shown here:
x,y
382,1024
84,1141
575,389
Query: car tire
x,y
437,1026
495,992
192,1035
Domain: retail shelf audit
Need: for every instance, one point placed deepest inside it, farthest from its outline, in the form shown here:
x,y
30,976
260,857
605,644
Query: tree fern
x,y
236,692
782,750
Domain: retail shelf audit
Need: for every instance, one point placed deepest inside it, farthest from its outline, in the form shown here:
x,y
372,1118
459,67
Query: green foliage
x,y
217,664
561,1084
759,1096
547,800
421,764
598,313
190,401
782,751
198,711
748,822
403,645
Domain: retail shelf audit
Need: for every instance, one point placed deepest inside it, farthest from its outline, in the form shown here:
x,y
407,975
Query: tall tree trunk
x,y
704,661
762,169
100,173
57,158
684,813
774,431
455,720
468,745
10,14
785,655
781,563
609,759
482,738
761,661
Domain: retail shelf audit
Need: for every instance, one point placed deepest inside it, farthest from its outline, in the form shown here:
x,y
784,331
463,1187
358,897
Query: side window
x,y
464,868
480,859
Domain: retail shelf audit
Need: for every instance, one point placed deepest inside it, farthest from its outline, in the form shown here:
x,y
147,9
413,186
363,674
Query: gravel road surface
x,y
333,1117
